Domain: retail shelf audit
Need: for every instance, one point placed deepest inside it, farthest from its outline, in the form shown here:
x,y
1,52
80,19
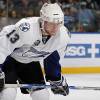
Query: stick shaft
x,y
49,86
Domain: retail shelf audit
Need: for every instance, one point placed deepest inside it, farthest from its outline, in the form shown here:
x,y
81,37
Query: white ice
x,y
75,80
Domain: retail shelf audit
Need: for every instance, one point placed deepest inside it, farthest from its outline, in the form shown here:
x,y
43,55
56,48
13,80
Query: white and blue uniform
x,y
25,43
22,46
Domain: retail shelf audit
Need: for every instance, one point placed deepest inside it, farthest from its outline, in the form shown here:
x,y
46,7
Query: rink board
x,y
79,70
82,54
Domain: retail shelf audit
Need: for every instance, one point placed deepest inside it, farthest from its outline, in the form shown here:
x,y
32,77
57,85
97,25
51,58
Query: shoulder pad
x,y
63,29
23,25
69,34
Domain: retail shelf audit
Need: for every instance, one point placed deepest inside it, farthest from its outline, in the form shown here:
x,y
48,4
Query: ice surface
x,y
75,80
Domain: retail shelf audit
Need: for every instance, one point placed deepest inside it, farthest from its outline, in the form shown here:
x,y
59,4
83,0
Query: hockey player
x,y
24,44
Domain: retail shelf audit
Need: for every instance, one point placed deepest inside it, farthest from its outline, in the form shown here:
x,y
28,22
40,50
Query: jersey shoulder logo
x,y
37,42
24,26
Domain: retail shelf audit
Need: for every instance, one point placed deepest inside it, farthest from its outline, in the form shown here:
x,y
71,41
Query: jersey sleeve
x,y
65,37
9,40
12,37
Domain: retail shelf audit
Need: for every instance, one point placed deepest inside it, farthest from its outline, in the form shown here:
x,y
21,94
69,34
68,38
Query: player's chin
x,y
52,34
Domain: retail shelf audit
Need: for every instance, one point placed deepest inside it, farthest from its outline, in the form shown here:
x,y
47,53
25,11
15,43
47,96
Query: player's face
x,y
51,28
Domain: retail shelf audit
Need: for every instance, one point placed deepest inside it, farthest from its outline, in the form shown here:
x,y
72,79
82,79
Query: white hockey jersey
x,y
25,43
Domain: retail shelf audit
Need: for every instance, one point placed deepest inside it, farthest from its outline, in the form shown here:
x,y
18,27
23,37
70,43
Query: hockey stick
x,y
49,86
84,88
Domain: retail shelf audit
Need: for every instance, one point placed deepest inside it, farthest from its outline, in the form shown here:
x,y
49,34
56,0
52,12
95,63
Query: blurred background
x,y
80,15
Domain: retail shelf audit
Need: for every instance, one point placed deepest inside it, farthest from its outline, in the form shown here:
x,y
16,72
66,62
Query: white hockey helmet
x,y
52,13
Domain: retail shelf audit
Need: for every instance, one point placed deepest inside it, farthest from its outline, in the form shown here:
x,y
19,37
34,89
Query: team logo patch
x,y
24,27
37,42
